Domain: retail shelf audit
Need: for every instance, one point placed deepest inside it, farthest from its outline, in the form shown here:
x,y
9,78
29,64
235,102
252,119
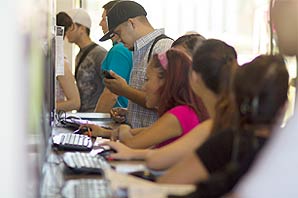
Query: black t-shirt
x,y
217,151
227,155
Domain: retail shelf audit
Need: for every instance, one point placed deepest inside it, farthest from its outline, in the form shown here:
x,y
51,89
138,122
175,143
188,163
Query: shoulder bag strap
x,y
86,52
162,36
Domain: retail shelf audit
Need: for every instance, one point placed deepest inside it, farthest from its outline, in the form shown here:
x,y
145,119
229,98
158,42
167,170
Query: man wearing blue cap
x,y
127,19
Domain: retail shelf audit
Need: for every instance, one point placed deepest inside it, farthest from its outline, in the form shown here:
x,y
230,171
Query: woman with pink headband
x,y
169,92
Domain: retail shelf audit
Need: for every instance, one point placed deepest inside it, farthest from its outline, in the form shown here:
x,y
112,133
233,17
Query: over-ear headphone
x,y
249,108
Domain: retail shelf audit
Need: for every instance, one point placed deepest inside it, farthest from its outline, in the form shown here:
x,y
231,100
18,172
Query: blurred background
x,y
26,33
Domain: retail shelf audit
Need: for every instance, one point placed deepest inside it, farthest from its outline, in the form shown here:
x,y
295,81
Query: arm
x,y
164,128
158,157
124,131
70,89
106,101
120,87
125,153
98,131
137,130
209,158
189,171
165,157
119,60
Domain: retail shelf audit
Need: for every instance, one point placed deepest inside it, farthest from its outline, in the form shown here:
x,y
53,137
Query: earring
x,y
255,106
245,106
250,106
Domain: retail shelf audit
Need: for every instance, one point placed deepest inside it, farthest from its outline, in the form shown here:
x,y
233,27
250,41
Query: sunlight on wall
x,y
228,20
243,24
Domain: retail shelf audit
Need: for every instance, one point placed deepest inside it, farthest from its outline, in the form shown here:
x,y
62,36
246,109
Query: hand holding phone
x,y
118,114
107,74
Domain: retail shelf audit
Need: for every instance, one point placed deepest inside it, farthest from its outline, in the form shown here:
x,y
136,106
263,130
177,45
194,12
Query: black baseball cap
x,y
120,13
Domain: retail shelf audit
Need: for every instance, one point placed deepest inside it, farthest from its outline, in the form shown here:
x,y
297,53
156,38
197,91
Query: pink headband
x,y
162,57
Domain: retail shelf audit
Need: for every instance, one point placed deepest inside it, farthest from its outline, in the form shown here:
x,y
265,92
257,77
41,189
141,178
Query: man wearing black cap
x,y
119,60
128,20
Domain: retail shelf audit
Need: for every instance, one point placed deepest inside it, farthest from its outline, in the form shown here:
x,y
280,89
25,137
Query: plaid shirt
x,y
139,116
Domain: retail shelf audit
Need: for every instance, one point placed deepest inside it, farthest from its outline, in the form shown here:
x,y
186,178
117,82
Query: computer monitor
x,y
49,88
39,56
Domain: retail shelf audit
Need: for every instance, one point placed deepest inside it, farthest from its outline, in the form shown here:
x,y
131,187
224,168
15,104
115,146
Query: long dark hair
x,y
177,89
216,61
190,42
261,88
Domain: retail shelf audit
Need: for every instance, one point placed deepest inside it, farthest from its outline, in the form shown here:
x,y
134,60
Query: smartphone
x,y
107,74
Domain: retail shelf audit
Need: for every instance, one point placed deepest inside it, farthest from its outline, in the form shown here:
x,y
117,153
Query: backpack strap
x,y
86,52
162,36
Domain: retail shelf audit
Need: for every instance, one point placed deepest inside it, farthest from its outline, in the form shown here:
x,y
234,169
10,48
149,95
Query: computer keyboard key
x,y
86,142
68,137
81,140
72,138
76,140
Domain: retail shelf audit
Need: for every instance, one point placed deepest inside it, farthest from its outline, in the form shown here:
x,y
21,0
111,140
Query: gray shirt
x,y
139,116
89,79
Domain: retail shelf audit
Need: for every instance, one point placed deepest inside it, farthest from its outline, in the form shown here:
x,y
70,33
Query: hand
x,y
121,133
95,129
124,132
122,152
115,135
116,85
118,114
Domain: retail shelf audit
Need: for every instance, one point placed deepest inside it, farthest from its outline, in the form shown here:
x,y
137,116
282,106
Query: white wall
x,y
64,5
12,169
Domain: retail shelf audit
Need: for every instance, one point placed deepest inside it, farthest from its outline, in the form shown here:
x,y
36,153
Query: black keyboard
x,y
79,162
87,188
70,141
74,125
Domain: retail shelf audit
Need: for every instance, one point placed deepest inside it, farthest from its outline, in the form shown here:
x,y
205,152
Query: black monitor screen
x,y
39,56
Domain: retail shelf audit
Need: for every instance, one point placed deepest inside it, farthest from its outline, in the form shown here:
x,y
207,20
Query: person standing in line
x,y
127,19
88,60
119,60
67,93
